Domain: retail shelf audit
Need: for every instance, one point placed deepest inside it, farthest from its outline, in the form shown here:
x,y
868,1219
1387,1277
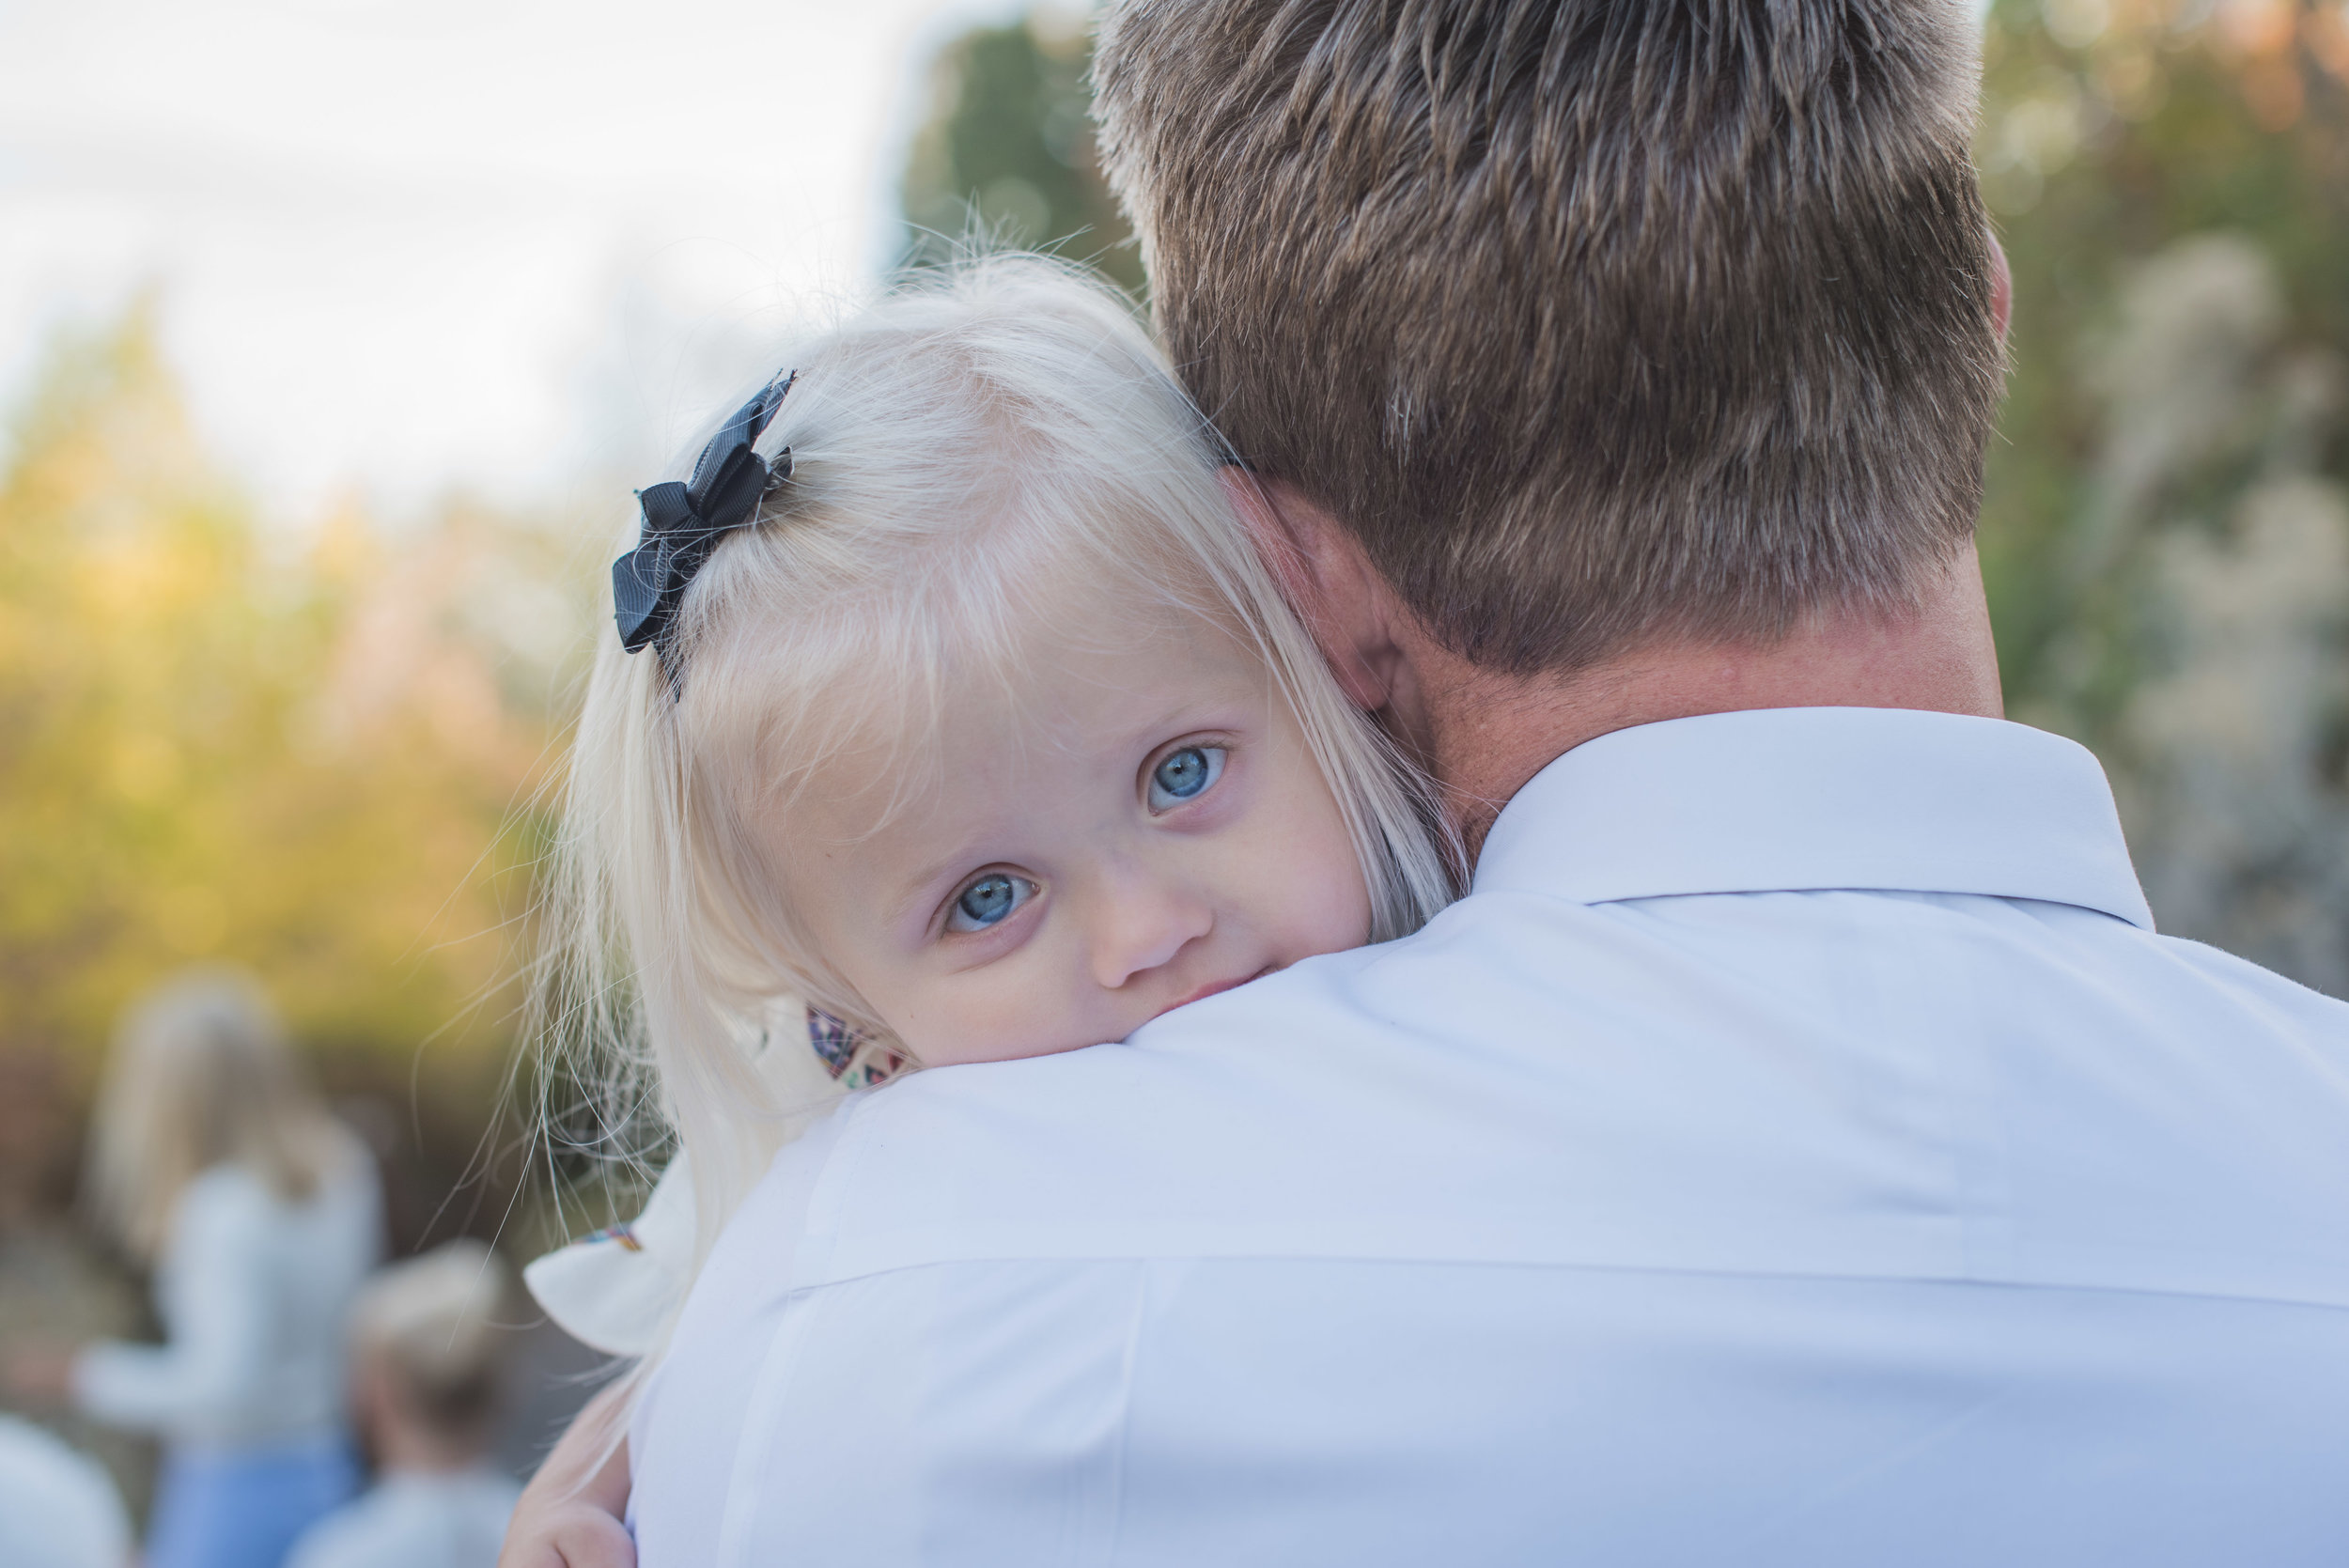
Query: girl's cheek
x,y
1007,1011
1332,899
1337,914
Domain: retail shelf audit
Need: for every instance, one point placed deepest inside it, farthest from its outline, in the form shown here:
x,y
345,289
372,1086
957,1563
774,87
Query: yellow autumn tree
x,y
310,753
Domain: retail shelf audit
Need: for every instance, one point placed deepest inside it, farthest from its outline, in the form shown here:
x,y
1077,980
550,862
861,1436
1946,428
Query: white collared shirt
x,y
1798,1148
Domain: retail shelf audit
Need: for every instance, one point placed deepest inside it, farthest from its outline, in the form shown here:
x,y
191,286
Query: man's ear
x,y
1328,581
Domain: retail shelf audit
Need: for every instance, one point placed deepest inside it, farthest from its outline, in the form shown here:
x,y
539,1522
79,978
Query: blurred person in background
x,y
58,1508
427,1387
213,1162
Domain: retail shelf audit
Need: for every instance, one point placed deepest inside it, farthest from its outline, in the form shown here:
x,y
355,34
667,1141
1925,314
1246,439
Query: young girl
x,y
954,718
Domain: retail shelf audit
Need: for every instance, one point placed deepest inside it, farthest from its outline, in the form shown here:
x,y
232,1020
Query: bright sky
x,y
407,244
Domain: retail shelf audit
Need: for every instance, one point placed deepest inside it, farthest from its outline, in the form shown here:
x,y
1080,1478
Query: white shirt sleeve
x,y
216,1297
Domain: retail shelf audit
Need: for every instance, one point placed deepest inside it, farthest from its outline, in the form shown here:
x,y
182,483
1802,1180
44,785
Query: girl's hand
x,y
569,1514
572,1533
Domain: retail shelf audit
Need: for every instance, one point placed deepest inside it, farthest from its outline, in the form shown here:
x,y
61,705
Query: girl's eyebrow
x,y
917,888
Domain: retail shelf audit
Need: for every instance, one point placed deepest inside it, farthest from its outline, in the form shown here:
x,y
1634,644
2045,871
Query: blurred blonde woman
x,y
214,1162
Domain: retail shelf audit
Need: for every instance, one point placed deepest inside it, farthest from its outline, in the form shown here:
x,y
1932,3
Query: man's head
x,y
1597,322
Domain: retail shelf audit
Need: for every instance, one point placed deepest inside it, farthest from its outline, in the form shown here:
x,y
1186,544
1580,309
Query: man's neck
x,y
1485,735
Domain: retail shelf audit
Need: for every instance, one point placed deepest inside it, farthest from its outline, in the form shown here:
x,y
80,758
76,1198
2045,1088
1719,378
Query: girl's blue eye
x,y
1185,775
988,901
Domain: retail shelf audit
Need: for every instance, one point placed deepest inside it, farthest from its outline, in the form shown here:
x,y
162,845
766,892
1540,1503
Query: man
x,y
1797,1147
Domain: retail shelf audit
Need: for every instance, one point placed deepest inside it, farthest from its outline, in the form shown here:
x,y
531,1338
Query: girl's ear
x,y
1327,579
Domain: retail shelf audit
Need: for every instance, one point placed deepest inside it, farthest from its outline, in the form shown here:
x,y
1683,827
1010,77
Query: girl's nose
x,y
1144,922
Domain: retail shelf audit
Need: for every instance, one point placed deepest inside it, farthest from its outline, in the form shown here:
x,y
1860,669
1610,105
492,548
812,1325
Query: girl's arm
x,y
569,1514
220,1311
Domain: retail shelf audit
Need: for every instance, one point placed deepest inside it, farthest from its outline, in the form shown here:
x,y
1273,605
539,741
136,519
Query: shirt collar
x,y
1788,799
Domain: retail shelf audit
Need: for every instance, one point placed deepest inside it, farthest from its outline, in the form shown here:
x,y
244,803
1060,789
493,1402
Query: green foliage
x,y
1005,154
2109,131
2166,538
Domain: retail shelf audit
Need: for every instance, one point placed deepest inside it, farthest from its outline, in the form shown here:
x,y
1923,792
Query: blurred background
x,y
333,333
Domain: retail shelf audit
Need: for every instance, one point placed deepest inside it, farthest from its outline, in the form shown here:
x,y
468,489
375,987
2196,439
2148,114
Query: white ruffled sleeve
x,y
615,1290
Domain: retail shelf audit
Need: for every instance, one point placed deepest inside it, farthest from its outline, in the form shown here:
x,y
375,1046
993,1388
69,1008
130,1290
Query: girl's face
x,y
1139,825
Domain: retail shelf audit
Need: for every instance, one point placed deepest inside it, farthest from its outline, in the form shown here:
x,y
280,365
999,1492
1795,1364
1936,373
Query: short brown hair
x,y
1597,320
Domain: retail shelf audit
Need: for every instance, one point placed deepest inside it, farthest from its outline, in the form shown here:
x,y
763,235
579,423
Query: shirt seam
x,y
1822,1277
1555,895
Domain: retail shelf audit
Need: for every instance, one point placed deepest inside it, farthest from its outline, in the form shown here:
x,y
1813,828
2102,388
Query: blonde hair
x,y
201,1077
431,1324
963,452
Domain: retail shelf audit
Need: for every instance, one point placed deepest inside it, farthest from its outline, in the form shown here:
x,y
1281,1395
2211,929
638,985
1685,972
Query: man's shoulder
x,y
2260,992
1835,1082
1429,1096
1318,1027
